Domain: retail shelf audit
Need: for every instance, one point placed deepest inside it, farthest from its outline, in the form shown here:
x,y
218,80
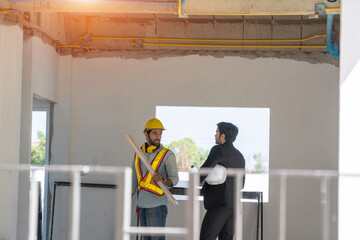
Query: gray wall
x,y
10,112
104,98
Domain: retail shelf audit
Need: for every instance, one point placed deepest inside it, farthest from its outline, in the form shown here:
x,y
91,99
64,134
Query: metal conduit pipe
x,y
203,40
261,14
249,14
208,40
110,1
332,47
11,12
209,46
179,8
332,9
69,46
228,46
72,46
88,26
150,3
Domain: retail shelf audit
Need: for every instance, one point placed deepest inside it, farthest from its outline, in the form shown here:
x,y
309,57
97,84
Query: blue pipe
x,y
106,1
333,48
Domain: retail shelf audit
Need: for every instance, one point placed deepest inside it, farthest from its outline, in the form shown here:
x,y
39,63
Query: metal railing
x,y
191,231
123,196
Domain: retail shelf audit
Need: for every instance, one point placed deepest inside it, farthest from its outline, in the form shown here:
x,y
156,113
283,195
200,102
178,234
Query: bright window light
x,y
190,133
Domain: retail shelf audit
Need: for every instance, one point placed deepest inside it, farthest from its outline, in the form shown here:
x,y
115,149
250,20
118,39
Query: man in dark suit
x,y
219,199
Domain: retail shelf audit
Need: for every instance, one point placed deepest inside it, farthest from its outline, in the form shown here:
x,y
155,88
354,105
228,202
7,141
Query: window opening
x,y
190,133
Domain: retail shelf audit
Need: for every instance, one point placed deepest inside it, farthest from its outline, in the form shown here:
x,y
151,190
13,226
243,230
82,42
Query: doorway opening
x,y
40,142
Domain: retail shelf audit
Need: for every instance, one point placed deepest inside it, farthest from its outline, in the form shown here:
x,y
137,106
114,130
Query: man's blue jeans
x,y
153,217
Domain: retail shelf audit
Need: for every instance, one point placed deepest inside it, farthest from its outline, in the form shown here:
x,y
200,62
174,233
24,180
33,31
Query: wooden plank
x,y
150,169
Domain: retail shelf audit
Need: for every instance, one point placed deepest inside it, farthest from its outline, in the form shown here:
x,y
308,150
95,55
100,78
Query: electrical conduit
x,y
228,46
333,48
109,1
213,40
260,14
208,40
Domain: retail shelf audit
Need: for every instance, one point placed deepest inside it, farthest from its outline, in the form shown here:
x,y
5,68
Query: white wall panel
x,y
349,119
11,50
45,69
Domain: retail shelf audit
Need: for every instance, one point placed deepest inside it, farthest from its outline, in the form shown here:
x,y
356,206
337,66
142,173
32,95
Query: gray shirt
x,y
167,169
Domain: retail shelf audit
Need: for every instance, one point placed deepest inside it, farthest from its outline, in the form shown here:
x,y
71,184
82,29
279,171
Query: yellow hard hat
x,y
153,123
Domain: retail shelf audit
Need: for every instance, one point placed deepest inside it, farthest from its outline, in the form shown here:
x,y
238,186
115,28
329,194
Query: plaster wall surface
x,y
111,96
45,69
349,120
25,141
39,78
350,52
62,125
11,47
107,97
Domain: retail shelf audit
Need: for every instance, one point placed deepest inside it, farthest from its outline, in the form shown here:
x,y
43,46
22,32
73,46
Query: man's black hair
x,y
229,129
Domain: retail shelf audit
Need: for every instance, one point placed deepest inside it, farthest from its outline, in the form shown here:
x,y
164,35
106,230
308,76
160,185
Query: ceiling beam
x,y
190,7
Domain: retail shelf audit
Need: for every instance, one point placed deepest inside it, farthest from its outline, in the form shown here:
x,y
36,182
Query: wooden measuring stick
x,y
150,169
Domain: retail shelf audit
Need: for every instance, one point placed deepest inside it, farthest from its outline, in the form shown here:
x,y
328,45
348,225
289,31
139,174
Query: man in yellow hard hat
x,y
151,201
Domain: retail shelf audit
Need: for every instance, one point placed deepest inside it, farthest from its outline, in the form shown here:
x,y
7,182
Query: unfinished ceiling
x,y
231,26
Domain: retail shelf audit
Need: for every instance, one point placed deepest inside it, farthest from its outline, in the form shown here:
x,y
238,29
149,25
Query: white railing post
x,y
123,211
238,218
193,215
325,202
33,211
74,215
282,225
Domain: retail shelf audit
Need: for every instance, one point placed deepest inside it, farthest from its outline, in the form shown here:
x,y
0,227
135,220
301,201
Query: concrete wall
x,y
103,98
39,79
349,48
349,119
45,69
11,38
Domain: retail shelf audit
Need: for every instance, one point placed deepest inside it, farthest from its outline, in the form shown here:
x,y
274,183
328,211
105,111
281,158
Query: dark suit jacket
x,y
222,195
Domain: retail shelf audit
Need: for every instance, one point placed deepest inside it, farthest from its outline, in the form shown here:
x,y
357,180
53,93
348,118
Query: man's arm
x,y
134,179
213,158
172,171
